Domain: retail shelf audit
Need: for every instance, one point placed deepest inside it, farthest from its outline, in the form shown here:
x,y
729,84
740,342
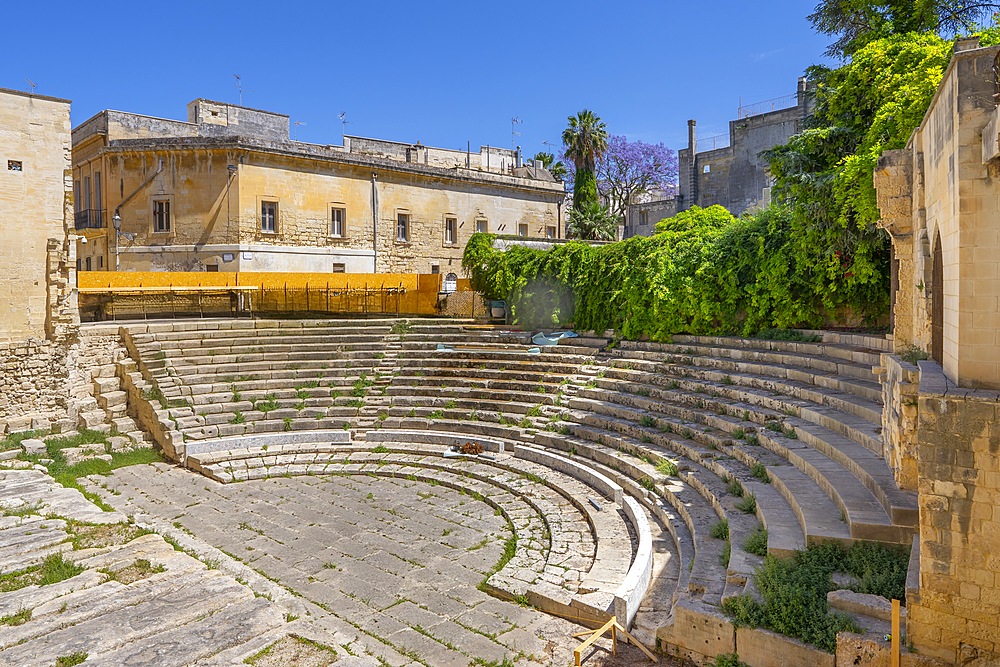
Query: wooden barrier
x,y
115,294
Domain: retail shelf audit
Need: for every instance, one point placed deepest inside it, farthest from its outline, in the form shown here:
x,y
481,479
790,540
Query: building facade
x,y
228,190
735,175
641,218
35,198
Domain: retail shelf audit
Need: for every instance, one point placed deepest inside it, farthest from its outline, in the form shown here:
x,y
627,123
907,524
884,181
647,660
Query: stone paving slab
x,y
432,612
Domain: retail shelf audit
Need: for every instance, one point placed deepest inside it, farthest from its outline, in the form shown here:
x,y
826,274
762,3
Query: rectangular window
x,y
88,263
337,216
482,226
161,216
435,269
77,200
643,217
100,261
522,229
98,196
339,267
550,232
86,193
269,217
403,227
450,230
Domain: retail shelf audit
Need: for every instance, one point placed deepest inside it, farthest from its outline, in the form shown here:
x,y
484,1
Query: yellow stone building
x,y
34,198
228,190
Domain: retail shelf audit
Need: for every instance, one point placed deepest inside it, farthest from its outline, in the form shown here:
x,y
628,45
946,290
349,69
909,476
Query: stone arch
x,y
937,301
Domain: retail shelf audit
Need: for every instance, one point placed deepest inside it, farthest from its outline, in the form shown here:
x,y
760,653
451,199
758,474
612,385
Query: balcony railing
x,y
90,219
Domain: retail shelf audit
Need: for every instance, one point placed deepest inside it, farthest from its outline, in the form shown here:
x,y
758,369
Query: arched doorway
x,y
937,302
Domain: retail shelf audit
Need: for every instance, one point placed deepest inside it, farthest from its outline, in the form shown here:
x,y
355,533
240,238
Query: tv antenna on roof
x,y
239,87
296,124
343,124
32,84
548,147
514,122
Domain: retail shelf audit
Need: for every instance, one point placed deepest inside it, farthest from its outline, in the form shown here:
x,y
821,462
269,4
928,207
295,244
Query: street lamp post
x,y
117,221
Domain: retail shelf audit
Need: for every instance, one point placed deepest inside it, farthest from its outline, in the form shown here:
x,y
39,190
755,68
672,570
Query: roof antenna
x,y
239,87
343,124
297,123
33,85
514,122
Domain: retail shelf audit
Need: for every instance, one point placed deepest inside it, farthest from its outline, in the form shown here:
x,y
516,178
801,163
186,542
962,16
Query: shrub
x,y
728,660
720,530
756,542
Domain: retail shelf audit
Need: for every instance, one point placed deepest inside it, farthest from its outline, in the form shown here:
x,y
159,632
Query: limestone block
x,y
698,633
33,446
758,648
858,651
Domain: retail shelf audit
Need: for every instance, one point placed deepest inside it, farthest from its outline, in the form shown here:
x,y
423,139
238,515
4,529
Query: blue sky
x,y
438,72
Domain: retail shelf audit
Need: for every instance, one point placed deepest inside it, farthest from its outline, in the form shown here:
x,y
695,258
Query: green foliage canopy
x,y
704,272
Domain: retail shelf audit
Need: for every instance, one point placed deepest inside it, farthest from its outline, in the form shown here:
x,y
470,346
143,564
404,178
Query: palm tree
x,y
585,140
591,222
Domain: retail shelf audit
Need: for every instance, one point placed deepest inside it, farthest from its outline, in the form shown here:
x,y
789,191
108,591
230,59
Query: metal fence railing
x,y
713,142
774,104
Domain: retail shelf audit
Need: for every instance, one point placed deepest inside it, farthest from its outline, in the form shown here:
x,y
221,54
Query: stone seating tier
x,y
813,409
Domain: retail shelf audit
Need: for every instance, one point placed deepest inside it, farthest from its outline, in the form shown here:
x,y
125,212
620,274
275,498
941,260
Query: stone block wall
x,y
32,385
955,614
900,386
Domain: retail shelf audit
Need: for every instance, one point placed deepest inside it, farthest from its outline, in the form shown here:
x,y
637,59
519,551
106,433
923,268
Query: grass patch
x,y
734,487
13,441
52,570
748,505
789,335
293,650
793,591
509,549
267,405
667,467
759,471
238,418
913,354
71,659
20,618
67,475
728,660
648,421
22,510
720,530
756,542
154,393
400,327
140,569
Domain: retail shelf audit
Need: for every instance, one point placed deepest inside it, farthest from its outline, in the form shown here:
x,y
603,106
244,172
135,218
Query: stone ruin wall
x,y
941,425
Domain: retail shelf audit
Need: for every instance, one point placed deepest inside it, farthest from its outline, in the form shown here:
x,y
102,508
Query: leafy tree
x,y
863,108
631,170
585,141
556,168
591,222
856,23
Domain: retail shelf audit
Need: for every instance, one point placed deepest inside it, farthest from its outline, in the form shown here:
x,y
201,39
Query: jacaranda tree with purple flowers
x,y
628,171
